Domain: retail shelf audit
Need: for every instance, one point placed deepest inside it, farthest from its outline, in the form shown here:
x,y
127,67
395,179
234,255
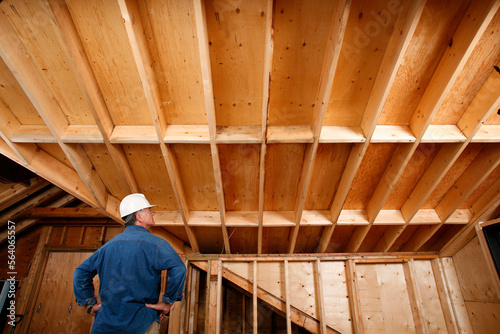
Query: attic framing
x,y
211,156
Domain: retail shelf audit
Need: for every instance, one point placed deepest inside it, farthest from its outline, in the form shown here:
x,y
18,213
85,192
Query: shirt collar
x,y
136,228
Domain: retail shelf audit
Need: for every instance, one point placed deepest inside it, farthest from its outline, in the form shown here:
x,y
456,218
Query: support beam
x,y
320,300
484,104
218,323
482,209
63,213
16,211
287,299
484,164
415,297
254,298
444,296
467,36
297,316
135,32
476,173
35,87
206,73
266,93
334,43
89,87
354,301
404,29
8,126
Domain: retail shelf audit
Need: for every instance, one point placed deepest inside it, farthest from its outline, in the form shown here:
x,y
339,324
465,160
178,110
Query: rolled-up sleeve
x,y
83,286
168,259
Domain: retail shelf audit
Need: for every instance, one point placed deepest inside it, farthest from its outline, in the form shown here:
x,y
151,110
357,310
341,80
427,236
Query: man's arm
x,y
168,259
83,286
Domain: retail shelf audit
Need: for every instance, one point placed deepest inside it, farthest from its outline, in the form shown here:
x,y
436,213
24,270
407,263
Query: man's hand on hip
x,y
160,307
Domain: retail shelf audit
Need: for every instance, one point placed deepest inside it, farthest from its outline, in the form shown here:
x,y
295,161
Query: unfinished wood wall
x,y
480,287
326,294
331,295
346,126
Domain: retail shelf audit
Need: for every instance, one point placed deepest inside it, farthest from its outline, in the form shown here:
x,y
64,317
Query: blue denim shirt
x,y
129,268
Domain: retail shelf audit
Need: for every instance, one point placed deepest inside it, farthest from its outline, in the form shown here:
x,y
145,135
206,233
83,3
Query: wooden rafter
x,y
91,91
41,97
403,32
134,27
201,29
336,36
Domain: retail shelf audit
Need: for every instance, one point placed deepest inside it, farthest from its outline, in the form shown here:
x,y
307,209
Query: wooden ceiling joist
x,y
133,25
206,73
403,32
329,67
266,86
262,126
32,202
35,88
91,92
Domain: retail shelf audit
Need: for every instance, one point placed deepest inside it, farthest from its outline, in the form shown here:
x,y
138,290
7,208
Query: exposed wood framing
x,y
268,59
335,38
201,26
262,126
134,26
387,73
91,91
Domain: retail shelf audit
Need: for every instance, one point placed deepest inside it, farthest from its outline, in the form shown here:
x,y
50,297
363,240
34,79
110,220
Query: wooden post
x,y
219,299
444,297
193,299
255,313
352,288
287,300
417,308
319,297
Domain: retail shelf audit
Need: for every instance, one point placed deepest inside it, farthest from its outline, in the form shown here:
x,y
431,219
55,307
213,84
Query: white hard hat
x,y
133,203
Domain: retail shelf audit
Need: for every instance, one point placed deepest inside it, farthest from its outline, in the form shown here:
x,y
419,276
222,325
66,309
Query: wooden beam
x,y
468,34
26,223
482,106
206,73
48,212
450,294
266,92
193,299
333,46
18,191
135,32
218,323
8,126
35,87
476,173
89,87
404,29
481,210
354,301
320,300
254,298
444,296
30,203
287,299
297,316
417,308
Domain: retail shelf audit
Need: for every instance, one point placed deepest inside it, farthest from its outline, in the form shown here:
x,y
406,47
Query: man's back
x,y
129,268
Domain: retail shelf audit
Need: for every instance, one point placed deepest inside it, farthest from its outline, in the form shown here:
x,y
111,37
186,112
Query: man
x,y
129,268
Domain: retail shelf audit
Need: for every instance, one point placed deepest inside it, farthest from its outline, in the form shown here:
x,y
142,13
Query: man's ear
x,y
139,217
